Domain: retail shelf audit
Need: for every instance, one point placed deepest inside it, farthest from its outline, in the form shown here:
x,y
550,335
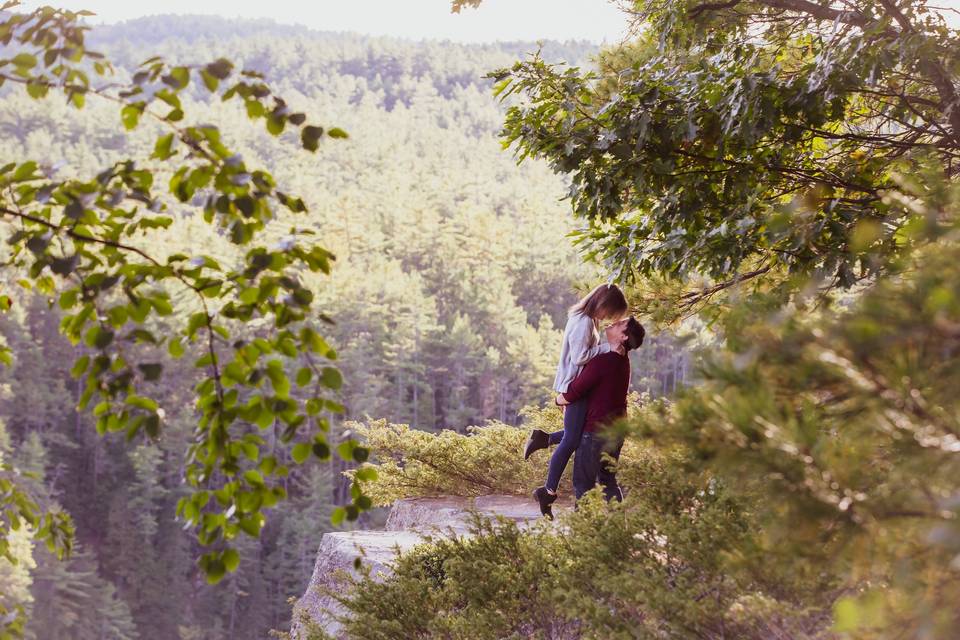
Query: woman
x,y
581,342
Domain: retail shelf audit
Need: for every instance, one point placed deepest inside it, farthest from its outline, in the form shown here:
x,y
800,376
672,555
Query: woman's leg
x,y
573,418
555,437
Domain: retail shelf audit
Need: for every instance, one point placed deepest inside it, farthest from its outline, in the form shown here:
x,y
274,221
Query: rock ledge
x,y
409,521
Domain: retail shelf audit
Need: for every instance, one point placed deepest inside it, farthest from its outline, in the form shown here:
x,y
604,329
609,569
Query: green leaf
x,y
304,376
80,366
310,137
69,298
300,452
213,568
276,124
321,450
162,305
162,149
64,266
141,402
130,115
210,81
345,450
99,337
151,370
24,172
249,295
334,406
231,560
255,109
338,515
152,425
253,477
246,205
279,380
175,348
366,474
331,378
251,525
220,69
178,78
37,90
337,132
24,61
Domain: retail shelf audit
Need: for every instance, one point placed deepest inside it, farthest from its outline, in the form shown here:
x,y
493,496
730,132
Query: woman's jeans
x,y
574,417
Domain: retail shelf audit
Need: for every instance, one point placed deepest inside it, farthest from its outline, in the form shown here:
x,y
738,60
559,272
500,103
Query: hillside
x,y
453,274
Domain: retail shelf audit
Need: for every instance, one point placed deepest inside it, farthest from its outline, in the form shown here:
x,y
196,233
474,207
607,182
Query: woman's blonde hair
x,y
605,301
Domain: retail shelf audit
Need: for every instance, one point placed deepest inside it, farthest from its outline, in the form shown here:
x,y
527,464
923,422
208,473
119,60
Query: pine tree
x,y
73,601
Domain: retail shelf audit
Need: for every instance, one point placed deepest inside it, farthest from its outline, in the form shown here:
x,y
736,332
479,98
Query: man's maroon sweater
x,y
605,381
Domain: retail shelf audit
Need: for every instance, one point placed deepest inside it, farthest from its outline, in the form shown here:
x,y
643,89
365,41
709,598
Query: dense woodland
x,y
452,278
779,174
788,172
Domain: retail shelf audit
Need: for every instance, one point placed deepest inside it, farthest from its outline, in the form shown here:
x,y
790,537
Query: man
x,y
605,381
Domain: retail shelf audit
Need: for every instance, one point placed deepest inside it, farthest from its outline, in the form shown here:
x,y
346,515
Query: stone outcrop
x,y
407,524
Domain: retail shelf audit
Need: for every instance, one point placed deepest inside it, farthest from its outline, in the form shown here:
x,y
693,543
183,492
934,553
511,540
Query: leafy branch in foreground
x,y
843,431
249,326
747,142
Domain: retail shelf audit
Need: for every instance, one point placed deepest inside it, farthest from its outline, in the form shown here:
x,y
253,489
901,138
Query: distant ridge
x,y
284,53
192,28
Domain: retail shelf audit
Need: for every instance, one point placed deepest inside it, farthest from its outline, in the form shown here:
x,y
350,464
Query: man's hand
x,y
560,400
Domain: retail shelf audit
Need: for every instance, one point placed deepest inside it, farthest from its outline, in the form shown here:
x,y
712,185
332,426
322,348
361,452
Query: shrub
x,y
411,463
663,564
486,459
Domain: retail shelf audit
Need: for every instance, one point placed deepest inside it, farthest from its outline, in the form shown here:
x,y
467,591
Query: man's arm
x,y
583,384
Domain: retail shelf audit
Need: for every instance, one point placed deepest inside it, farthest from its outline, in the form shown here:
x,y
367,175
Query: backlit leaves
x,y
84,243
705,149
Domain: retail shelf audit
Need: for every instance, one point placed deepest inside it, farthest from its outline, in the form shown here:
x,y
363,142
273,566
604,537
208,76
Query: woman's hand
x,y
560,400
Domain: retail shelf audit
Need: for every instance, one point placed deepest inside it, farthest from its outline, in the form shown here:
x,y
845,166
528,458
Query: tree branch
x,y
693,297
82,237
714,6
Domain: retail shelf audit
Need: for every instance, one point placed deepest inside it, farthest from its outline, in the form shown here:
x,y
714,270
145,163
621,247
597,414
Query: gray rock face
x,y
336,555
408,522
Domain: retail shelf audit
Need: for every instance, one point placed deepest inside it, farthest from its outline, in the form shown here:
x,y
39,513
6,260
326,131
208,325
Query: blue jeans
x,y
568,440
589,467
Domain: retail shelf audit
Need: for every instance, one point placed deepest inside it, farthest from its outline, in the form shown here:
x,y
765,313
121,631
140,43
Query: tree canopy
x,y
743,141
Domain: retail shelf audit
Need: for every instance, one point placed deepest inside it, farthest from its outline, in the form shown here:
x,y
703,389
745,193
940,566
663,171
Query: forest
x,y
260,282
452,278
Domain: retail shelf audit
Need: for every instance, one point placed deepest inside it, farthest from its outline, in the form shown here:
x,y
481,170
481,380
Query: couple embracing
x,y
593,378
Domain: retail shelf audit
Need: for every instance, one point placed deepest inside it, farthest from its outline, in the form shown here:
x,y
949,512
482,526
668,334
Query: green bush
x,y
487,459
663,564
413,463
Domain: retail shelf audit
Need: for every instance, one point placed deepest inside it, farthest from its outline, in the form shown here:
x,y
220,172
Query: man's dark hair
x,y
635,333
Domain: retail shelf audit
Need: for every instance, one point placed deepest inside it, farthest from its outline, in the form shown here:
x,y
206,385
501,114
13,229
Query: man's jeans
x,y
574,416
590,466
